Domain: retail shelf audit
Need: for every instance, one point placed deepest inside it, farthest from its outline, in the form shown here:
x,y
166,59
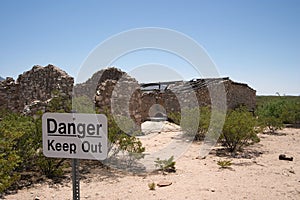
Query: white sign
x,y
75,135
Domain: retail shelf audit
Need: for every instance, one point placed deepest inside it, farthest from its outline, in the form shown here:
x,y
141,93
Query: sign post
x,y
75,179
75,136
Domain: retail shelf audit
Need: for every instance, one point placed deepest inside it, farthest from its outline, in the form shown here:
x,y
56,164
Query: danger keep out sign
x,y
75,135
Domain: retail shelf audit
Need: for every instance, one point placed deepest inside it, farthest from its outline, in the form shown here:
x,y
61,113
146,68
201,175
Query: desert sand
x,y
257,173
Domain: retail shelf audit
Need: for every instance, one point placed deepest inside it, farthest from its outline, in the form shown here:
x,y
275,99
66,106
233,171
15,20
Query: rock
x,y
164,183
283,157
291,171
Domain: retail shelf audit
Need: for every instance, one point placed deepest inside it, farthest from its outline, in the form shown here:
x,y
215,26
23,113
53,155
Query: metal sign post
x,y
76,136
75,179
75,176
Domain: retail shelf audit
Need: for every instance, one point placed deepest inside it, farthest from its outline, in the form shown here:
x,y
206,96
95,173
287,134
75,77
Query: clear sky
x,y
256,42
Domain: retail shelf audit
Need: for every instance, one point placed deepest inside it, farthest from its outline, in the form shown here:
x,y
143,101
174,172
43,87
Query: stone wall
x,y
90,87
34,88
9,95
122,95
240,94
114,91
181,94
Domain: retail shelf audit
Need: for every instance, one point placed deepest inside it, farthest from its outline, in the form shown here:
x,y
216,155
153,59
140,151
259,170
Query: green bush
x,y
123,140
83,104
151,186
21,144
8,163
194,122
17,147
174,117
291,110
167,165
275,111
50,167
270,115
9,159
239,129
204,122
224,163
60,102
190,121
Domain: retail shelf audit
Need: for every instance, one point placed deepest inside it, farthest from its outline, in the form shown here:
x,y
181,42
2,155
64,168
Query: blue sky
x,y
256,42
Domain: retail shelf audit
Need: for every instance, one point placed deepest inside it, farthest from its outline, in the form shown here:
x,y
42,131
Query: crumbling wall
x,y
90,87
240,94
34,87
183,94
9,95
114,91
121,98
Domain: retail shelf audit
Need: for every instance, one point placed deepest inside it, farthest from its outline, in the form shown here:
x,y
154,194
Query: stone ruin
x,y
108,90
114,91
34,89
168,94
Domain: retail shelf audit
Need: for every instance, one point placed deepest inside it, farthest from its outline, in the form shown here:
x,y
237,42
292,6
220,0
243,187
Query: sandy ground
x,y
256,174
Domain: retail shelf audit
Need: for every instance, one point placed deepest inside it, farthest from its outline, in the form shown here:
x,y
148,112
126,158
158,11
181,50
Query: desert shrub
x,y
194,122
190,121
83,104
21,148
271,115
127,125
167,165
239,129
174,117
123,140
151,186
275,111
60,102
224,163
17,147
50,167
204,122
130,144
9,161
21,143
291,110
